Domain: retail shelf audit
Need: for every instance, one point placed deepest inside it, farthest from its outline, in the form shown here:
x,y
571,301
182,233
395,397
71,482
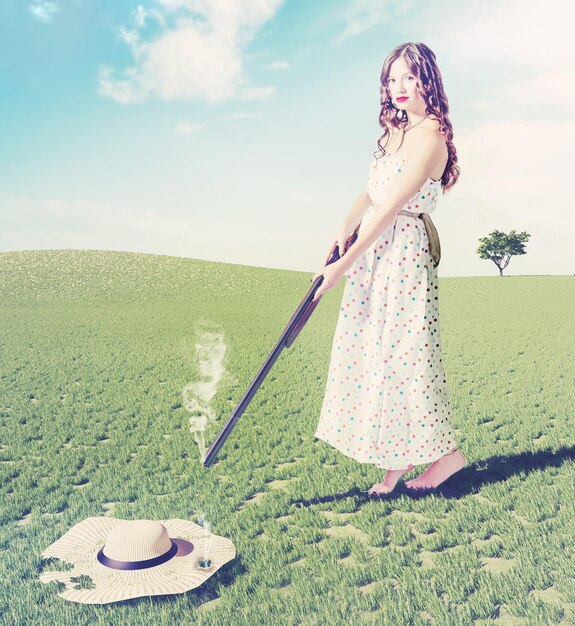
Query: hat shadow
x,y
210,589
467,481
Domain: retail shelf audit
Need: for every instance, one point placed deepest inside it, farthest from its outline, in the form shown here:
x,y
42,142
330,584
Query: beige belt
x,y
432,235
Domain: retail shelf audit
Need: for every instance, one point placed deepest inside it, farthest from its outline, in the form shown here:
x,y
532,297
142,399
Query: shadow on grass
x,y
467,481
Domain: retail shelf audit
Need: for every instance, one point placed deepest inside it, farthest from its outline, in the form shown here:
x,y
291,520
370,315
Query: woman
x,y
386,399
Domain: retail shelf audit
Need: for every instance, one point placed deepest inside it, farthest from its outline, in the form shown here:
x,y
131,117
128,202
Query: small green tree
x,y
499,247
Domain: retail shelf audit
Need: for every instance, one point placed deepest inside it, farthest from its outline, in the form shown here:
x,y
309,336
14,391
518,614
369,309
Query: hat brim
x,y
181,573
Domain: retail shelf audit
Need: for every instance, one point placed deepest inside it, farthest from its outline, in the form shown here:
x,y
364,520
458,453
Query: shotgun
x,y
288,336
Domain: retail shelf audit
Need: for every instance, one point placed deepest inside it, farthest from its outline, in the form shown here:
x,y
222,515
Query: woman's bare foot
x,y
438,471
389,482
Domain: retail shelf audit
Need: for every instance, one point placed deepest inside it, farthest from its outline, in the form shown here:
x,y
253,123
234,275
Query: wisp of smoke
x,y
197,395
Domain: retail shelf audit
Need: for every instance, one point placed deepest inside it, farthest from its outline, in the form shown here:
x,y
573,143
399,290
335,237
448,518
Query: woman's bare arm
x,y
358,209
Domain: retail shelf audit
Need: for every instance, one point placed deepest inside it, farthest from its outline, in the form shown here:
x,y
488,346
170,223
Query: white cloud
x,y
504,34
187,128
277,65
119,90
240,115
302,196
189,49
140,14
44,11
129,36
527,178
177,4
513,52
62,208
361,16
257,93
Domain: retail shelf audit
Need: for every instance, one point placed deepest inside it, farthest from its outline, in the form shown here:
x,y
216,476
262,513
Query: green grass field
x,y
96,348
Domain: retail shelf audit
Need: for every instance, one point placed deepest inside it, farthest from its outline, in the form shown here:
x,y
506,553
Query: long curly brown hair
x,y
421,62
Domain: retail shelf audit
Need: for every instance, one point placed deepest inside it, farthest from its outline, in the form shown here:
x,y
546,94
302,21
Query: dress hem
x,y
375,462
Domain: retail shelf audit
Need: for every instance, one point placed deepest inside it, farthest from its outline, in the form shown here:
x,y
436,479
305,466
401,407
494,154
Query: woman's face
x,y
402,83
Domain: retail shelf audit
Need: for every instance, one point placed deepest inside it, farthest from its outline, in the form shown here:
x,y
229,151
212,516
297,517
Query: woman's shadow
x,y
466,481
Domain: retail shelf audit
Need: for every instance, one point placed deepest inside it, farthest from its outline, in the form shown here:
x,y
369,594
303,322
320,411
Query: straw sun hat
x,y
132,558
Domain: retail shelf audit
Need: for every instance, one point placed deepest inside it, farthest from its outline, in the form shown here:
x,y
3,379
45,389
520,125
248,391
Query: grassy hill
x,y
95,350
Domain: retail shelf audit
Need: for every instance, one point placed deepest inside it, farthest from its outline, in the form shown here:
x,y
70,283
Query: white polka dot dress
x,y
386,398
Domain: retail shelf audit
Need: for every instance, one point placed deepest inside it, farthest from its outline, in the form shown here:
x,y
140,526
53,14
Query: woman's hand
x,y
332,274
343,234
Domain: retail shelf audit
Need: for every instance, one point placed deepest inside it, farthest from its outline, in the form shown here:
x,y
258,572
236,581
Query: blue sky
x,y
242,130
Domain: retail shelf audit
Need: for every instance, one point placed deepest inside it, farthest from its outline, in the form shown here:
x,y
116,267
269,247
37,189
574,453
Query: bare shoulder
x,y
431,141
433,138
